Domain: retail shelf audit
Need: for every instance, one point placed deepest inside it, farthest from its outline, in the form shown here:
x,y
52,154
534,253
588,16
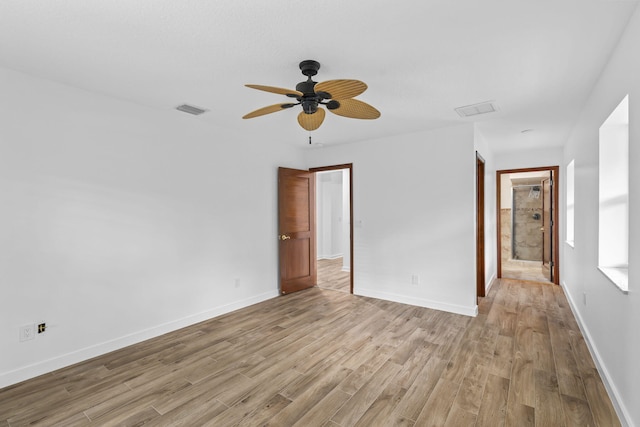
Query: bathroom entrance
x,y
527,224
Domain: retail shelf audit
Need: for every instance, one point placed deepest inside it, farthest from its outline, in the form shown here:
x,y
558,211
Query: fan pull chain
x,y
309,139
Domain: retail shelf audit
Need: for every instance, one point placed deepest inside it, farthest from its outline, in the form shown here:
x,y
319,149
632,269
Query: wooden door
x,y
547,228
296,229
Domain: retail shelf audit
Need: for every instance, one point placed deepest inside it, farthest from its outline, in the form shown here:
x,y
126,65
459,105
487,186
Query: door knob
x,y
284,237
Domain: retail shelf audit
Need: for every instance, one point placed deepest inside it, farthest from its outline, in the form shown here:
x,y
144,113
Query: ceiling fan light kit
x,y
336,95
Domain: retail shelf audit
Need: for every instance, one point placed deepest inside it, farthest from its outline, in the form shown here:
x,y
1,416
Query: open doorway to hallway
x,y
333,228
527,224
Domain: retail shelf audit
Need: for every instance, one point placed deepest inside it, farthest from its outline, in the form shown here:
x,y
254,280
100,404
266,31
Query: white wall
x,y
528,158
413,207
329,215
490,228
119,223
346,218
610,319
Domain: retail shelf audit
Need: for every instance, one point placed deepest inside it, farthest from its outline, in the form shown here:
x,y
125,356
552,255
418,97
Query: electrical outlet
x,y
415,279
27,332
237,283
584,298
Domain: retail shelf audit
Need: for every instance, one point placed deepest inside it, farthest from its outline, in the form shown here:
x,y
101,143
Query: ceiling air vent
x,y
196,111
477,109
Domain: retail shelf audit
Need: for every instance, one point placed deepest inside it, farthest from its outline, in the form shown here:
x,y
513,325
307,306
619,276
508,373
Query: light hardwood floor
x,y
326,358
331,276
523,270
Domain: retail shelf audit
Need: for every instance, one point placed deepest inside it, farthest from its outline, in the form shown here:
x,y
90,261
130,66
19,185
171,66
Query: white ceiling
x,y
420,58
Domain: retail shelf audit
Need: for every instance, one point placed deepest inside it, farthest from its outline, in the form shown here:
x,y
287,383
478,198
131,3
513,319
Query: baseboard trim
x,y
420,302
46,366
336,256
614,395
490,282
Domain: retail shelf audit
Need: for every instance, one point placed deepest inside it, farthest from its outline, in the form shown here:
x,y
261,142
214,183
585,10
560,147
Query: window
x,y
570,201
613,219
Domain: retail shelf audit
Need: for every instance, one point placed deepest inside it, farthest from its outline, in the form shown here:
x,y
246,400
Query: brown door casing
x,y
480,256
296,229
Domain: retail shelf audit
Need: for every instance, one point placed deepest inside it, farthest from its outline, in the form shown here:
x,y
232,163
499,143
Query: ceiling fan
x,y
336,95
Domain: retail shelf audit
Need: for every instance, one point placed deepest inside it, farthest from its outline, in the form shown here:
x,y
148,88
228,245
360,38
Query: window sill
x,y
618,276
570,243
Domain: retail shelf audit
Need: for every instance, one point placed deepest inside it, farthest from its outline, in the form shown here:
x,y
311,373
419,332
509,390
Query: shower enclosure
x,y
526,222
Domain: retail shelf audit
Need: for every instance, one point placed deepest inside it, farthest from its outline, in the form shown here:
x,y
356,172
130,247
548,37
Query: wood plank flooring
x,y
326,358
331,276
523,270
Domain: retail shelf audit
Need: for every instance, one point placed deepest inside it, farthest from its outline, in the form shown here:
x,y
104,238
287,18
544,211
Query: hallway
x,y
523,270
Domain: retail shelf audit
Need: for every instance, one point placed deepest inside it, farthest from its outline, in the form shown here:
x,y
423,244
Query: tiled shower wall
x,y
528,221
528,245
505,234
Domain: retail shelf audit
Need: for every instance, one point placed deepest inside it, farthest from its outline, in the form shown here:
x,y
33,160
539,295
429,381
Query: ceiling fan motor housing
x,y
310,99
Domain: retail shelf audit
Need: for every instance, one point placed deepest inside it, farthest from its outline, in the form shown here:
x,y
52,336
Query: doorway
x,y
334,227
527,224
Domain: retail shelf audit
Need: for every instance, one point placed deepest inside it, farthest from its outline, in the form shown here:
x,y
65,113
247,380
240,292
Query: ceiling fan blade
x,y
266,110
355,109
311,121
341,89
289,92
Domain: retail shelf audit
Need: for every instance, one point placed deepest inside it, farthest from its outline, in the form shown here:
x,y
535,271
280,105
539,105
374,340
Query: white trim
x,y
336,256
58,362
345,269
612,391
618,276
420,302
490,282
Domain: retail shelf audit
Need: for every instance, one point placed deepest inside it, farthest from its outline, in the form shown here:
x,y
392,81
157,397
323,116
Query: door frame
x,y
348,166
556,224
480,244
